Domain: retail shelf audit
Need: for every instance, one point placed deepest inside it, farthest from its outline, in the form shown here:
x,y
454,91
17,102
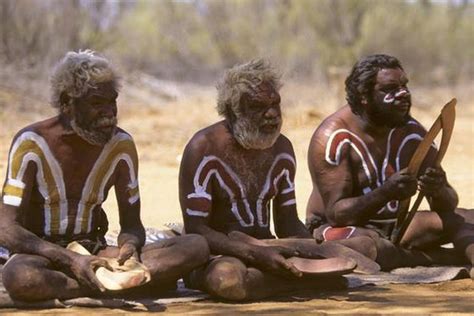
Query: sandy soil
x,y
162,123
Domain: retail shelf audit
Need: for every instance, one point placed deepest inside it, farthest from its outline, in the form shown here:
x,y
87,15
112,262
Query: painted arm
x,y
287,223
132,233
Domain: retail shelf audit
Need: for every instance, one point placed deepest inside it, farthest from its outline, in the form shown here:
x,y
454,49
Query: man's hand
x,y
272,259
126,252
432,181
83,268
401,185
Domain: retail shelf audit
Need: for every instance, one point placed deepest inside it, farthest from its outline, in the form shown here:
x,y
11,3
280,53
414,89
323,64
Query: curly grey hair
x,y
78,72
242,79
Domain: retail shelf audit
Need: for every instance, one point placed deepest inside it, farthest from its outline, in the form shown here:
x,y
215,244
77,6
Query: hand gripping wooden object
x,y
444,122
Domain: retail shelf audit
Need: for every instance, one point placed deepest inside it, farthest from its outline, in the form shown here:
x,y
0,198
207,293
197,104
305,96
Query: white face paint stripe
x,y
12,200
389,98
196,213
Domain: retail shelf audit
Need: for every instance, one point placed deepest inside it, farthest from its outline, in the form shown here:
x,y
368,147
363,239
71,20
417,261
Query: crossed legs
x,y
31,277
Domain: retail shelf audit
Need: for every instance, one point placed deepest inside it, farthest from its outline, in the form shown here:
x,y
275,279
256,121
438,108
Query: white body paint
x,y
200,189
380,177
43,159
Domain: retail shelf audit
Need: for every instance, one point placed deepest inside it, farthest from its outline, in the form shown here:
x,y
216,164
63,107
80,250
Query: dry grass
x,y
162,122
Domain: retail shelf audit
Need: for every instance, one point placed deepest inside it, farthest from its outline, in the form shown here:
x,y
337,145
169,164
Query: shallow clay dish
x,y
131,274
323,267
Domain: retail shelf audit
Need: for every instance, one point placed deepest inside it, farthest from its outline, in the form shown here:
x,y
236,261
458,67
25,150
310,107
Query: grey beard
x,y
92,137
248,135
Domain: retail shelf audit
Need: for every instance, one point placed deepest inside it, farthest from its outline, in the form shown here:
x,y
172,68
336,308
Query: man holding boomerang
x,y
365,165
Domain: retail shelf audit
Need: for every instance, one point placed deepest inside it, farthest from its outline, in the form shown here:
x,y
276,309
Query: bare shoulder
x,y
341,119
283,145
207,138
413,126
123,134
37,129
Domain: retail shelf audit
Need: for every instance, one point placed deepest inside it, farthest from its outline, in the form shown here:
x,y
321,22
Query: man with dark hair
x,y
59,173
233,174
358,158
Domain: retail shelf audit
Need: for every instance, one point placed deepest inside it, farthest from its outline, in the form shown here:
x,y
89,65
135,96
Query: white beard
x,y
248,135
93,138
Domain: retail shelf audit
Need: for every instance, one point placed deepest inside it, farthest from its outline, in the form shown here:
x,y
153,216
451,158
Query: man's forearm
x,y
357,210
135,237
221,244
19,240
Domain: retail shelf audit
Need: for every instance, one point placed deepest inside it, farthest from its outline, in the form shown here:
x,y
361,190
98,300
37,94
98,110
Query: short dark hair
x,y
360,83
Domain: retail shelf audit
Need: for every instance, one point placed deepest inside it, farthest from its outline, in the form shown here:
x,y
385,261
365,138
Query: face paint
x,y
391,96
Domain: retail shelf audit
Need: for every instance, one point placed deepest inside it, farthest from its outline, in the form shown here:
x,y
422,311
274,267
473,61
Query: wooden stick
x,y
444,122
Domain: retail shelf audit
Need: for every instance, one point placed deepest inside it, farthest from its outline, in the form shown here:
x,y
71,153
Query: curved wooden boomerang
x,y
444,122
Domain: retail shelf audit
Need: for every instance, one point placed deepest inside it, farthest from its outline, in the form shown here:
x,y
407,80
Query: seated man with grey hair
x,y
60,171
233,173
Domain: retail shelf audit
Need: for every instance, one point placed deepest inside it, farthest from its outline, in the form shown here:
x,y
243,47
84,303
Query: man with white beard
x,y
233,173
60,171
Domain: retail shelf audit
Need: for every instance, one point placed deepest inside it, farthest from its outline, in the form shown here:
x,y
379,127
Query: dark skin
x,y
337,189
55,272
247,270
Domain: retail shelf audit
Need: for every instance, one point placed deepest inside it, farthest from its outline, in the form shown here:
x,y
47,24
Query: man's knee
x,y
23,279
225,278
195,248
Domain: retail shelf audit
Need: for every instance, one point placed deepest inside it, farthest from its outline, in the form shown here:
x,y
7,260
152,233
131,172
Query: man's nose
x,y
108,111
272,113
402,93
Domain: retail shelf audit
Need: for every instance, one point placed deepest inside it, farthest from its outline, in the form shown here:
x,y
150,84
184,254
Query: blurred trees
x,y
194,40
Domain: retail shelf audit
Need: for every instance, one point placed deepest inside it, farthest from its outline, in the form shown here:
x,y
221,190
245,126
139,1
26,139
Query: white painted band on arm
x,y
196,213
12,200
16,183
290,202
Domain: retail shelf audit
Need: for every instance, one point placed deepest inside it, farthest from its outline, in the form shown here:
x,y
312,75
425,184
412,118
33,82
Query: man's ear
x,y
65,104
230,115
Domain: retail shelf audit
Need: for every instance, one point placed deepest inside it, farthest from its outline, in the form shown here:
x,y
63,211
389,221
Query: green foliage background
x,y
195,40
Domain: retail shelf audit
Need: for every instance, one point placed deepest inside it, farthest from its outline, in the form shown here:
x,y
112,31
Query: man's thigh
x,y
26,261
425,230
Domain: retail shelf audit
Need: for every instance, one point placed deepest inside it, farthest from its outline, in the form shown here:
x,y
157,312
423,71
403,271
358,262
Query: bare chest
x,y
372,160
